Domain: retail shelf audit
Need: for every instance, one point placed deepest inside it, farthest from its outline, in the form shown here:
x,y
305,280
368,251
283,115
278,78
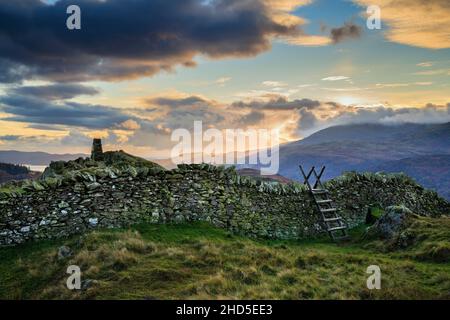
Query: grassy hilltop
x,y
57,171
197,261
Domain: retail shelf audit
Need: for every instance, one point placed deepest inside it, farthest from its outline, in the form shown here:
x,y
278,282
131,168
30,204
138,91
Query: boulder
x,y
395,219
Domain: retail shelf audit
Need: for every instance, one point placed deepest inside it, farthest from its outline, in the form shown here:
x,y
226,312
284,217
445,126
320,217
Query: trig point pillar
x,y
97,150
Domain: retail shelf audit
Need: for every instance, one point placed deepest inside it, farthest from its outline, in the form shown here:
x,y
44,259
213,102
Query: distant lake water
x,y
36,168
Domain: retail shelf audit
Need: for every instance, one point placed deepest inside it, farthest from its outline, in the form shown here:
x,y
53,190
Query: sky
x,y
137,70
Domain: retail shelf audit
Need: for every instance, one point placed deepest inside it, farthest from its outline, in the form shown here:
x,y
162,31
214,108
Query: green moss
x,y
374,213
8,190
380,177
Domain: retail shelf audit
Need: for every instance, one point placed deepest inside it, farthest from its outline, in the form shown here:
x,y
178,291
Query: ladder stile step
x,y
332,219
337,228
321,197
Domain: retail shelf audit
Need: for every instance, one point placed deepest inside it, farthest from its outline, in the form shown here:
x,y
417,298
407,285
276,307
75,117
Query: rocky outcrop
x,y
109,197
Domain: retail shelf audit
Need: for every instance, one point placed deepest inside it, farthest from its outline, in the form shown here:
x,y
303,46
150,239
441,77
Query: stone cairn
x,y
97,150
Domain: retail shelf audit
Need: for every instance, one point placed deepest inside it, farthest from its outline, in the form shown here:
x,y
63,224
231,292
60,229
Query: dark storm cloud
x,y
55,91
126,39
11,72
38,111
348,31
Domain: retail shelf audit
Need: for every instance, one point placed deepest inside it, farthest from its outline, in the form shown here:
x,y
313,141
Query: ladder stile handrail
x,y
318,177
306,177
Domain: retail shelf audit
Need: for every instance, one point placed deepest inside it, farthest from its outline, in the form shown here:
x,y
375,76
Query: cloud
x,y
399,85
11,72
252,118
150,127
432,72
130,125
76,138
416,23
348,89
9,138
430,113
287,5
274,84
312,115
181,112
425,64
307,40
307,85
170,102
307,119
130,39
55,91
338,114
15,140
34,110
223,80
281,103
335,78
348,31
46,127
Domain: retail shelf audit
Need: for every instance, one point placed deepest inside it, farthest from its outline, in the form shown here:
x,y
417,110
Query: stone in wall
x,y
111,197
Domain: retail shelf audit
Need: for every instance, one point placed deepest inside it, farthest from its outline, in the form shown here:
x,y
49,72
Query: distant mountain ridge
x,y
374,147
432,171
35,158
420,150
434,136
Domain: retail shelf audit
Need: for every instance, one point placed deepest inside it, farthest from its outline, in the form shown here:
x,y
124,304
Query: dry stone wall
x,y
197,193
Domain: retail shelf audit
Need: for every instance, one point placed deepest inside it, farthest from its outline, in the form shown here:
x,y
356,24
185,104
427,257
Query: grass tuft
x,y
197,261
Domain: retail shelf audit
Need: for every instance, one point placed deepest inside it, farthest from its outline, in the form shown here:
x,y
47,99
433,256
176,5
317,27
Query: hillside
x,y
427,136
373,147
431,171
129,225
10,172
197,261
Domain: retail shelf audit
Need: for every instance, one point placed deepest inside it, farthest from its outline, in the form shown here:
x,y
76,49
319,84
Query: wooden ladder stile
x,y
335,225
